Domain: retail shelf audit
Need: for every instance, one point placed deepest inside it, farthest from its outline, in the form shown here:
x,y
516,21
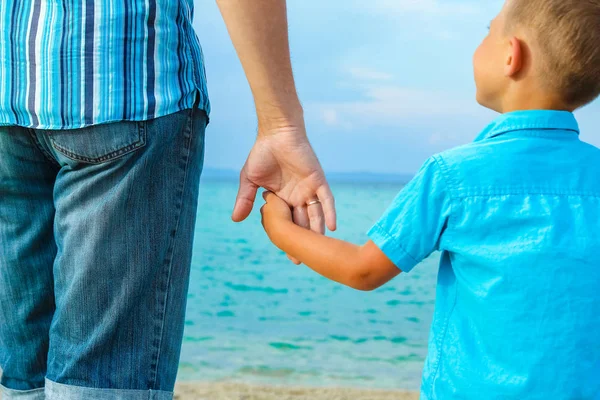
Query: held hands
x,y
283,162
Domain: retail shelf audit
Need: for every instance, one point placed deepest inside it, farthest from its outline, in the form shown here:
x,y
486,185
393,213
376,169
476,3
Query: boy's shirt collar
x,y
544,121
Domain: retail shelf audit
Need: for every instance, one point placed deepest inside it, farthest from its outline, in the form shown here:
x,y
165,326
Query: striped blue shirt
x,y
68,64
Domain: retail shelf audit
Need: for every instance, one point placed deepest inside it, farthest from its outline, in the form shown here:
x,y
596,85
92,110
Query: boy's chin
x,y
487,103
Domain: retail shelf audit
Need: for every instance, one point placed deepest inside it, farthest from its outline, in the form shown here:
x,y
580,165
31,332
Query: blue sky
x,y
384,83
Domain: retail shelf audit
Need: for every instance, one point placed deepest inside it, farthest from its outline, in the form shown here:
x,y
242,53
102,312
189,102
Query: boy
x,y
516,215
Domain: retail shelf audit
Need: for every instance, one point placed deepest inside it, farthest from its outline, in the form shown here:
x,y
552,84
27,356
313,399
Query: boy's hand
x,y
275,214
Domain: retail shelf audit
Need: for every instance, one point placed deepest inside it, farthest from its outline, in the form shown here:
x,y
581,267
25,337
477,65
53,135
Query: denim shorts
x,y
96,232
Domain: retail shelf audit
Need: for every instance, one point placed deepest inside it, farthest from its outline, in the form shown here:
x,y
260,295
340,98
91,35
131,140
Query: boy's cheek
x,y
477,67
485,81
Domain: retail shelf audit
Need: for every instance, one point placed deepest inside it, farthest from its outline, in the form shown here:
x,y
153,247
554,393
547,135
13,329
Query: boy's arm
x,y
408,232
360,267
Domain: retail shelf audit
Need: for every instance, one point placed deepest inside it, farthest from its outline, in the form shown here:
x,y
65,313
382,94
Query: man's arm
x,y
282,159
360,267
259,32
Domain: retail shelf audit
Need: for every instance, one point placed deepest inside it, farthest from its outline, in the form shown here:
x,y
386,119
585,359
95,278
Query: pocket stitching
x,y
110,156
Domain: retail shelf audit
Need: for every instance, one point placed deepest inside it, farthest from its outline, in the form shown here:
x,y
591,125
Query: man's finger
x,y
301,217
245,199
316,217
328,202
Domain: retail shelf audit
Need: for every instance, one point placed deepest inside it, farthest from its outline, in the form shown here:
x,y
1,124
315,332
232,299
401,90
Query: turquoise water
x,y
253,316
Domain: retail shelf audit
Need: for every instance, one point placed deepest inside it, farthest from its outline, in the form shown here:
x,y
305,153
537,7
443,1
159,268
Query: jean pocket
x,y
100,143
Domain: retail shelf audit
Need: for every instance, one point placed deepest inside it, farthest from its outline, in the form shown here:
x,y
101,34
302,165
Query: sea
x,y
254,317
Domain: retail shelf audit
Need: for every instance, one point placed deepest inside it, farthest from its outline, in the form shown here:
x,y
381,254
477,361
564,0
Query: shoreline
x,y
243,391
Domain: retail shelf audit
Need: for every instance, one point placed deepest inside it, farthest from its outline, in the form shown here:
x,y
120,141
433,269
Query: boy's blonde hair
x,y
567,34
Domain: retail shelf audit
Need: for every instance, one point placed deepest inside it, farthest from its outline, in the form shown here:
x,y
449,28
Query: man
x,y
103,108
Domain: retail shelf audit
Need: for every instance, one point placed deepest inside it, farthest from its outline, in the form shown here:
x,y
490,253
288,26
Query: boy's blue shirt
x,y
516,215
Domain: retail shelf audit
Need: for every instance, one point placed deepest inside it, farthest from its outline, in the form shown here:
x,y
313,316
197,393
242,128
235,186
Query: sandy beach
x,y
238,391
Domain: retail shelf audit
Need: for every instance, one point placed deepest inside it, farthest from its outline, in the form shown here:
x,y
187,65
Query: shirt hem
x,y
204,106
392,249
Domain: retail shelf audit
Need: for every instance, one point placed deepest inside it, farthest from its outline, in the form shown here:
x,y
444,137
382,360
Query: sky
x,y
384,83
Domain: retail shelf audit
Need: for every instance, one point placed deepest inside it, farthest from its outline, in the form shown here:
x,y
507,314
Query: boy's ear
x,y
514,59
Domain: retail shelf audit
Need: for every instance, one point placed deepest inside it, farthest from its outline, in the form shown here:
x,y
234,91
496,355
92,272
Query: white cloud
x,y
439,19
389,104
444,139
446,35
424,6
369,74
330,117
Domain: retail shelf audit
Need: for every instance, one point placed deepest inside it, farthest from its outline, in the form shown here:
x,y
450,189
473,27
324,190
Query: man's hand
x,y
284,163
282,159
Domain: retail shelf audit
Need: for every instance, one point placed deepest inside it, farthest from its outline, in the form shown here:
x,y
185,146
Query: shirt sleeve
x,y
412,227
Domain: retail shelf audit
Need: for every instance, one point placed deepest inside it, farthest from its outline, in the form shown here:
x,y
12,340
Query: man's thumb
x,y
245,199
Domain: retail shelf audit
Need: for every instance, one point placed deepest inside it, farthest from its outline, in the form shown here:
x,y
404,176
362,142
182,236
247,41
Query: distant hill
x,y
211,174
